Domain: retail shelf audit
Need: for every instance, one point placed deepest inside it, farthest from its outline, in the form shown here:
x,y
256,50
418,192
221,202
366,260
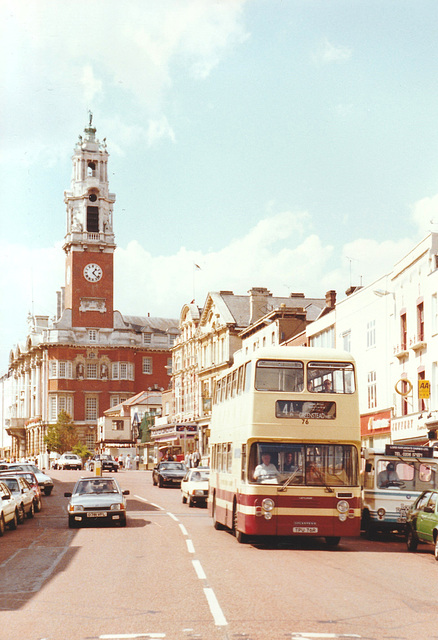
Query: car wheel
x,y
183,498
436,548
411,540
160,482
48,491
38,505
21,514
154,482
2,526
31,512
14,522
191,502
123,522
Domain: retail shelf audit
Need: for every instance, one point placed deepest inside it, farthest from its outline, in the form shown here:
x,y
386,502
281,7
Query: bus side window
x,y
243,463
247,381
240,380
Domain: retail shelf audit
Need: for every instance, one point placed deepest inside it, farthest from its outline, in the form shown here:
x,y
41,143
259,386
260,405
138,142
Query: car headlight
x,y
342,506
268,504
76,507
117,506
198,492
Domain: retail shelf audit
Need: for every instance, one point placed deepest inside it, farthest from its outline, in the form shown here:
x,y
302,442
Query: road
x,y
170,575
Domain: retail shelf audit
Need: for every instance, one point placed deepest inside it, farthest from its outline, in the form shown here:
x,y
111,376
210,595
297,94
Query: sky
x,y
287,144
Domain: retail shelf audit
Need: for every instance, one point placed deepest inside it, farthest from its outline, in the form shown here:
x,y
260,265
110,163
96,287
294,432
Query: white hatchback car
x,y
69,460
194,486
8,509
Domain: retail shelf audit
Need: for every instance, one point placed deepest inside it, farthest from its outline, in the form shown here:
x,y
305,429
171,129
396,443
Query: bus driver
x,y
266,471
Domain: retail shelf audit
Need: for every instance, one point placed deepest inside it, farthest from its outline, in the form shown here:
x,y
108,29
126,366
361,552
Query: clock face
x,y
93,272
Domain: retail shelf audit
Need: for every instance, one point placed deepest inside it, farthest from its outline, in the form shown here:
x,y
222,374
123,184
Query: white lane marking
x,y
183,530
306,636
190,547
117,636
172,516
216,611
199,570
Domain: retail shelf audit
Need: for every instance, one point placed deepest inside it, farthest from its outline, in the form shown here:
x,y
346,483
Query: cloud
x,y
328,53
425,214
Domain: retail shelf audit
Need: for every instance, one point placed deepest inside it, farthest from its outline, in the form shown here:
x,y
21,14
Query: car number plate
x,y
305,530
96,514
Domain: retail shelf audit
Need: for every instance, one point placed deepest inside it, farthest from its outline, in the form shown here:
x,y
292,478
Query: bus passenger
x,y
326,386
266,471
288,464
388,475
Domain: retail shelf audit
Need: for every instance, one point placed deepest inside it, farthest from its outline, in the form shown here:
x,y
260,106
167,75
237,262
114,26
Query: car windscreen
x,y
11,483
96,486
172,466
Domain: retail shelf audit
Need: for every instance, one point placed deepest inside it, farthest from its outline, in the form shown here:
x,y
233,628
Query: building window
x,y
147,338
90,441
434,313
91,408
346,340
420,322
92,371
92,335
122,371
171,340
421,401
169,366
372,390
118,425
371,334
58,403
403,332
147,365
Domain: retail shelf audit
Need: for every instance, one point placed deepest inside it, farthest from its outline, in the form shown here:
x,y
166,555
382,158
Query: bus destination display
x,y
305,410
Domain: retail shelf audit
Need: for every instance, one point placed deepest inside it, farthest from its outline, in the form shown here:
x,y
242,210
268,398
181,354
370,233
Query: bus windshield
x,y
279,375
304,464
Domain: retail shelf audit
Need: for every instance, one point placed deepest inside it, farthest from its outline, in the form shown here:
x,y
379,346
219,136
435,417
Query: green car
x,y
422,521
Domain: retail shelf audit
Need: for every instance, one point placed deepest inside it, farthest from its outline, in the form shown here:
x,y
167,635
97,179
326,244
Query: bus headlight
x,y
342,517
342,506
268,515
268,504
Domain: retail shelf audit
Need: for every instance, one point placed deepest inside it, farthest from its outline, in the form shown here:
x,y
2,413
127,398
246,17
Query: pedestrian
x,y
128,462
121,461
196,458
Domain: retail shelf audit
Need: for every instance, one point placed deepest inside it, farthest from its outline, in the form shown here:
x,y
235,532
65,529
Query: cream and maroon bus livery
x,y
285,445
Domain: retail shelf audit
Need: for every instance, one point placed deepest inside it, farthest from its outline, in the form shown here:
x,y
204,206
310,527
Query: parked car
x,y
194,486
45,481
23,494
68,460
107,462
422,522
96,500
8,509
32,480
168,473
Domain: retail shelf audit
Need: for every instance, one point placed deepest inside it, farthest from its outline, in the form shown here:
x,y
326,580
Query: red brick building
x,y
89,357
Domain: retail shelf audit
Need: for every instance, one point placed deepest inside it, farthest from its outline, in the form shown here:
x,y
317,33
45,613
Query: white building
x,y
391,328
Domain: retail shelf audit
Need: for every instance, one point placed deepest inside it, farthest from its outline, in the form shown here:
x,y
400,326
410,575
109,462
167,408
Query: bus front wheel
x,y
333,541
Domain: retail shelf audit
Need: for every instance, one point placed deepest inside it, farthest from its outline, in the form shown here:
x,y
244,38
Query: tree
x,y
82,451
61,436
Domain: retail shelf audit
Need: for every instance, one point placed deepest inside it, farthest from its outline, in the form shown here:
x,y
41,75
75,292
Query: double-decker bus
x,y
285,445
391,482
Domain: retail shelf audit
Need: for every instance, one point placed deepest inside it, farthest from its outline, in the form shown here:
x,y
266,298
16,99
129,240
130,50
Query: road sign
x,y
423,389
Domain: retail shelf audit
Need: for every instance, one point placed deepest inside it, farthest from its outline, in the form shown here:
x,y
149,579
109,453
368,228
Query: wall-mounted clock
x,y
93,272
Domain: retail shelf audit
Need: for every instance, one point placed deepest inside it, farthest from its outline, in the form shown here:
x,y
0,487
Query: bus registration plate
x,y
305,530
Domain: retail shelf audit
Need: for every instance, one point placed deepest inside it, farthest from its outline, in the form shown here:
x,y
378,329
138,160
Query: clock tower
x,y
89,241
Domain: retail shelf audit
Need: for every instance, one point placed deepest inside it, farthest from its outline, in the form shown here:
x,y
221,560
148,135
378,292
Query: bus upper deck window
x,y
330,377
279,375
